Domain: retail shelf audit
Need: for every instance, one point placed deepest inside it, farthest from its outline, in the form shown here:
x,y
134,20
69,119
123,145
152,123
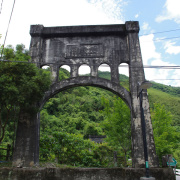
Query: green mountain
x,y
68,118
159,93
84,111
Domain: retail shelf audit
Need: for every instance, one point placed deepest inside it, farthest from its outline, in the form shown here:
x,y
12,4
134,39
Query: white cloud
x,y
171,48
152,57
137,15
123,69
176,75
171,11
160,75
145,26
112,8
148,49
56,13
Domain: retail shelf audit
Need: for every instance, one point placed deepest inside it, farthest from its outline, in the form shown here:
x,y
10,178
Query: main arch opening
x,y
85,126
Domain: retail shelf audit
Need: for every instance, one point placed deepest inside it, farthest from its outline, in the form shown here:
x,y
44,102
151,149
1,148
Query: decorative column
x,y
26,152
36,44
136,72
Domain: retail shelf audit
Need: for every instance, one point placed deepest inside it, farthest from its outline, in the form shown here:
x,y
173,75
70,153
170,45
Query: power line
x,y
8,28
126,66
102,65
161,39
160,32
162,67
165,79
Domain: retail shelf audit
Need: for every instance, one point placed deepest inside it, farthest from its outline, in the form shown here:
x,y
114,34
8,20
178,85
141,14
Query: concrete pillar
x,y
114,74
136,72
94,70
74,71
26,152
36,45
54,73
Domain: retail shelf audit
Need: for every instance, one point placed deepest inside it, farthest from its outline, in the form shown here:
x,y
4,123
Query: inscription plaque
x,y
84,50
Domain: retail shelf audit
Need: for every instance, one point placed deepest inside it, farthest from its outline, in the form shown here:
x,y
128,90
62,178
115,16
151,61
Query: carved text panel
x,y
84,50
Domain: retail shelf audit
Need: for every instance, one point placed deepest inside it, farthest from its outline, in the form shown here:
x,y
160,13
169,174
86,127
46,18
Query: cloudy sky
x,y
159,26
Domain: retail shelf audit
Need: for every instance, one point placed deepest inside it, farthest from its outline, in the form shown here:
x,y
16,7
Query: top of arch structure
x,y
61,31
92,45
76,45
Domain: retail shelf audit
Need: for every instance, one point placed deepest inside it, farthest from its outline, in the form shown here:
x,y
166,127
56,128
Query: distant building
x,y
96,138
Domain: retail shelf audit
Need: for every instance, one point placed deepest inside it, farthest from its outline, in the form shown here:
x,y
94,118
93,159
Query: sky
x,y
159,26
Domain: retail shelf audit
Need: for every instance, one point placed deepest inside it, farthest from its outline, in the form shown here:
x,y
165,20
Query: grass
x,y
171,103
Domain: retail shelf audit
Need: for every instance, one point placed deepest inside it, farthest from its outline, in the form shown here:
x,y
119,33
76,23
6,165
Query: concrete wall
x,y
83,174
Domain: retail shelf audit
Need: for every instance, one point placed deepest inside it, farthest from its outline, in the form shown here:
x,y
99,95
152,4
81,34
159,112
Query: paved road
x,y
178,172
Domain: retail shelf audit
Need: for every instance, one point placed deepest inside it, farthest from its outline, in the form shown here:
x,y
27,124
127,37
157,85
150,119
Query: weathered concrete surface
x,y
93,46
26,153
82,174
88,81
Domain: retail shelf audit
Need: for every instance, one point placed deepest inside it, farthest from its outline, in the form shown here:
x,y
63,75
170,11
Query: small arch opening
x,y
124,75
64,72
84,70
46,67
104,71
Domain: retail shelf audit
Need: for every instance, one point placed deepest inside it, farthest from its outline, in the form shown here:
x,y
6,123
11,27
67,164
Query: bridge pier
x,y
136,77
26,152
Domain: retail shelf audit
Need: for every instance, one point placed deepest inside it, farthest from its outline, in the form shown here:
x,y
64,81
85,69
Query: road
x,y
178,174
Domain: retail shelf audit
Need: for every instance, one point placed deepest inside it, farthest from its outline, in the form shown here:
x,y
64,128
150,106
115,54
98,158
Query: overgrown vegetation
x,y
71,116
21,85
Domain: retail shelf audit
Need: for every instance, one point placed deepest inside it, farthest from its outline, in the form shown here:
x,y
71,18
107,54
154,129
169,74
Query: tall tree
x,y
117,125
21,84
165,135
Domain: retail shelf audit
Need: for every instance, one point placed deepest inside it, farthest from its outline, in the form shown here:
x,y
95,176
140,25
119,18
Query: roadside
x,y
177,174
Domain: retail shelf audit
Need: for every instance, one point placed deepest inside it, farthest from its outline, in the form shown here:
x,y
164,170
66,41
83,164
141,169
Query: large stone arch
x,y
87,81
91,45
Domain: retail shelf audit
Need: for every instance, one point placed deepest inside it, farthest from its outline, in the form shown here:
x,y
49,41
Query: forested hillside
x,y
71,116
88,111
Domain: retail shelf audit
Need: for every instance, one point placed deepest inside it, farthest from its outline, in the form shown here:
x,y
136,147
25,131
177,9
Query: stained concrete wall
x,y
82,174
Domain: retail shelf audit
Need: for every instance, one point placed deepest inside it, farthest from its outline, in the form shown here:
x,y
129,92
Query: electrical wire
x,y
162,39
103,65
161,32
7,28
164,80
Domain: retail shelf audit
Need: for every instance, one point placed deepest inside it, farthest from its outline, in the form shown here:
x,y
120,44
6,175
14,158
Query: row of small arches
x,y
86,70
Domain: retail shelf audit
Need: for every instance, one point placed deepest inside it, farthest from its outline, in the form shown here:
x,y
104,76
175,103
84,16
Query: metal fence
x,y
5,152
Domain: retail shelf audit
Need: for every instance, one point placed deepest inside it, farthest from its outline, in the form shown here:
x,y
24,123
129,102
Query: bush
x,y
71,149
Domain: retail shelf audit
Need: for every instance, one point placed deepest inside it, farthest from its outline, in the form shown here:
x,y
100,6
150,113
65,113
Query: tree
x,y
117,125
71,149
21,84
165,135
92,129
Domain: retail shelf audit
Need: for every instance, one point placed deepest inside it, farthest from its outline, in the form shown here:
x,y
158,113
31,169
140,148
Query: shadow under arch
x,y
87,81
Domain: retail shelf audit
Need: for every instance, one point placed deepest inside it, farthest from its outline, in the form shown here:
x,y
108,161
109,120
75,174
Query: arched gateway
x,y
93,46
